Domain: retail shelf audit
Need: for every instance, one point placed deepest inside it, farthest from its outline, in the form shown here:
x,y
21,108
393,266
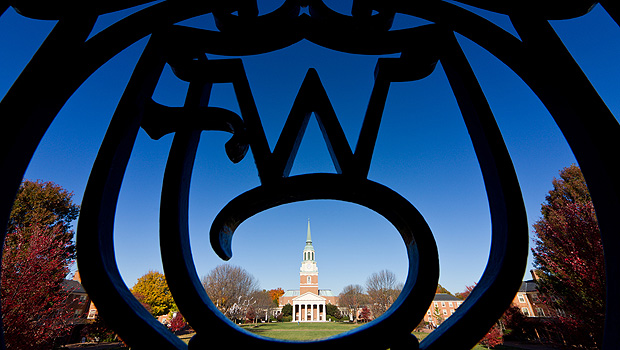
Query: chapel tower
x,y
308,273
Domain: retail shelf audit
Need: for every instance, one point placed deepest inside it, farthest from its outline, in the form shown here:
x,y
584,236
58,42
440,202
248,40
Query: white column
x,y
294,307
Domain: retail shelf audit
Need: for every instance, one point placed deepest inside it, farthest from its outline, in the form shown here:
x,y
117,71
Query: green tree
x,y
152,290
568,254
437,316
332,310
48,206
287,310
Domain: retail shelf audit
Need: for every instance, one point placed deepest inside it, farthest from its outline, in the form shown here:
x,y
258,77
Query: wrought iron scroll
x,y
539,58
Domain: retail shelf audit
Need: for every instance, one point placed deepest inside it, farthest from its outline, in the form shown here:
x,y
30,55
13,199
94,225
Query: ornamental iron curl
x,y
539,59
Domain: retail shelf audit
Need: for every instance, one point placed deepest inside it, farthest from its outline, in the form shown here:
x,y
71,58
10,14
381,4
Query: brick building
x,y
78,300
528,301
308,301
442,307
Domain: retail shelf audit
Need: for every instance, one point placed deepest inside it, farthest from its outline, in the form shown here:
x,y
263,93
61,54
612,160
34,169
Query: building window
x,y
540,312
443,304
428,312
451,312
309,280
521,298
436,305
445,312
450,304
525,311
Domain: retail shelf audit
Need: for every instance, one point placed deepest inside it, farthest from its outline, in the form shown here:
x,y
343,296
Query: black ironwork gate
x,y
538,58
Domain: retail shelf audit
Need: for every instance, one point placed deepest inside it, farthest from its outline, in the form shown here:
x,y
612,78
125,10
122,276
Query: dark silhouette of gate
x,y
538,58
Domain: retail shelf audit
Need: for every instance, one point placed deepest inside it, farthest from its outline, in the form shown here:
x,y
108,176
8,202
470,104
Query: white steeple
x,y
308,249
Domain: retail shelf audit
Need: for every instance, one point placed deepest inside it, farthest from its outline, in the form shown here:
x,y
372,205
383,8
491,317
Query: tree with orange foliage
x,y
275,295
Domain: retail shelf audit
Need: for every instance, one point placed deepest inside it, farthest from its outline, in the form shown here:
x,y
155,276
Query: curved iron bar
x,y
613,9
509,233
591,130
100,275
394,327
509,251
549,10
178,263
594,153
59,10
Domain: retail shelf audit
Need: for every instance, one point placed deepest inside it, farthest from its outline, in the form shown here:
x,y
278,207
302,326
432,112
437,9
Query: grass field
x,y
310,331
298,332
302,331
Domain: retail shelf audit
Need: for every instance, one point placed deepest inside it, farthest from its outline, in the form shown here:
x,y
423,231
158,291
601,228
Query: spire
x,y
308,249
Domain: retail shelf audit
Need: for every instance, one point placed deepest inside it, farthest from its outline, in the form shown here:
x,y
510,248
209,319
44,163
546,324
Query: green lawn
x,y
310,331
302,331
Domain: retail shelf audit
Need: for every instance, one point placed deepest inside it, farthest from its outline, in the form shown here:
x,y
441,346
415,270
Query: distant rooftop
x,y
528,286
291,293
322,292
326,293
445,297
73,286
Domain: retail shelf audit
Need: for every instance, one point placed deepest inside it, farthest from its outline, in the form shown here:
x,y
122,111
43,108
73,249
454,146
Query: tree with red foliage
x,y
568,254
464,294
37,251
140,297
251,315
34,305
178,323
493,338
365,314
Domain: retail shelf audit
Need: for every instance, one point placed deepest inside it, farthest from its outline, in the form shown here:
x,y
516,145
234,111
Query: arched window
x,y
309,279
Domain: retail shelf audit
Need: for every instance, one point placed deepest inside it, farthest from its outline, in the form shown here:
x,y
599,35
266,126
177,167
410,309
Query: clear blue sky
x,y
423,152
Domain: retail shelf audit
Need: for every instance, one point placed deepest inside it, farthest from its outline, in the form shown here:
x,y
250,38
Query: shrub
x,y
98,331
492,338
178,323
